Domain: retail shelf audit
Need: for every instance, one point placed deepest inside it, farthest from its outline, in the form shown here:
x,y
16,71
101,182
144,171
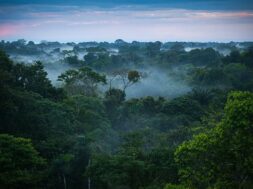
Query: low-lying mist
x,y
55,70
156,82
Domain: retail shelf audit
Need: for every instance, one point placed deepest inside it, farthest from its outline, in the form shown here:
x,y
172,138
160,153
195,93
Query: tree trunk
x,y
89,180
64,182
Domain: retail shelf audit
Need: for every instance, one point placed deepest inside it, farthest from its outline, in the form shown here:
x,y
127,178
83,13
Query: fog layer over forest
x,y
60,57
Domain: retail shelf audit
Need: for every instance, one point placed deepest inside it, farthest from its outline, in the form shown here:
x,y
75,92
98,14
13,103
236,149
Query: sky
x,y
141,20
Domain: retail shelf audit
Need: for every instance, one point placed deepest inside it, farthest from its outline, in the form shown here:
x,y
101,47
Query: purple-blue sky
x,y
185,20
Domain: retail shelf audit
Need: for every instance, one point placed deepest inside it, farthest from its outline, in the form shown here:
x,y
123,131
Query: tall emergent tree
x,y
126,77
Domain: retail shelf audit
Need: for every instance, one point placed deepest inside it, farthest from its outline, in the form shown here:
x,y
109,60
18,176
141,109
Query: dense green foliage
x,y
79,136
222,156
21,165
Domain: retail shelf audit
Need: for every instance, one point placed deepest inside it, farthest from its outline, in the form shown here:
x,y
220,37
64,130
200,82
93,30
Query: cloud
x,y
7,30
74,23
182,4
